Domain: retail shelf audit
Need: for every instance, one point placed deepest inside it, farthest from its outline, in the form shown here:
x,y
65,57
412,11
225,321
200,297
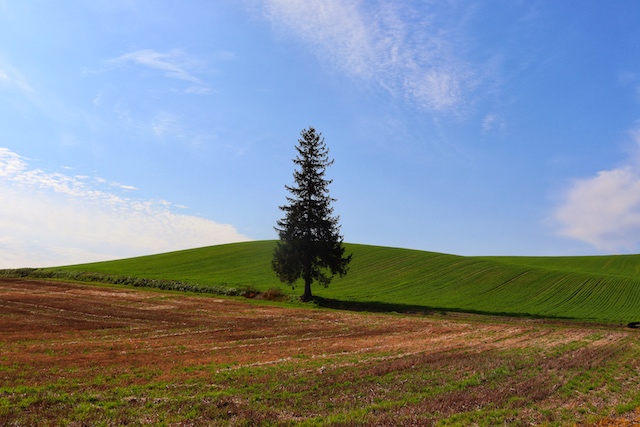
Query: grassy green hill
x,y
601,288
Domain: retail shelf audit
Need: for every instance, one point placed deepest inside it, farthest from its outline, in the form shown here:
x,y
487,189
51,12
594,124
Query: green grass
x,y
600,288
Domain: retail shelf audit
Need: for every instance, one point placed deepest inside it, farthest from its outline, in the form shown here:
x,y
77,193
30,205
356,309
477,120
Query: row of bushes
x,y
139,282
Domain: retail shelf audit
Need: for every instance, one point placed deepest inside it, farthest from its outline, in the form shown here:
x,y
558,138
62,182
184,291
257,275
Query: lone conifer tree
x,y
310,245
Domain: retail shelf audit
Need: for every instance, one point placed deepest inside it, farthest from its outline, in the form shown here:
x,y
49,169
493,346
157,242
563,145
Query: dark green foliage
x,y
310,245
17,272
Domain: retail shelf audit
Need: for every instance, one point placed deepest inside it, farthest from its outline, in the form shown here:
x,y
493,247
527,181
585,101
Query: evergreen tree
x,y
310,245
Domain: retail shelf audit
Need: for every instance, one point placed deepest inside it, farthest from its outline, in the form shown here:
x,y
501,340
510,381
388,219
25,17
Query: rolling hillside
x,y
601,288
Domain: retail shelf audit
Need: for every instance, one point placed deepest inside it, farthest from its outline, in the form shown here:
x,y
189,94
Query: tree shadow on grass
x,y
383,307
374,306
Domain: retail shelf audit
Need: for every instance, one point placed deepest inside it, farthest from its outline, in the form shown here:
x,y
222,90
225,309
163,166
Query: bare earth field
x,y
75,355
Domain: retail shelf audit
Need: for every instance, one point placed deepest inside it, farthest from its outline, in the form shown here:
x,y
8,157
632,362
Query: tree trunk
x,y
306,297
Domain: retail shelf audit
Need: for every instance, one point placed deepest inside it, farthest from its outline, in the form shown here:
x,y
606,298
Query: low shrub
x,y
274,294
249,291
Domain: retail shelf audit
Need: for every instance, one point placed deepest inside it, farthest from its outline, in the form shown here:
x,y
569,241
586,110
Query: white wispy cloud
x,y
54,219
12,78
492,122
604,210
164,124
409,52
174,64
167,126
122,186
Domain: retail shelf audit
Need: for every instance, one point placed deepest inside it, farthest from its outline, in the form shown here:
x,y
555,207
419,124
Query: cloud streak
x,y
173,64
12,78
604,211
54,219
408,52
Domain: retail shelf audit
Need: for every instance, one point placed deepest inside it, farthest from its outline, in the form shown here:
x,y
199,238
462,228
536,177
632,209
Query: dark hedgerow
x,y
138,282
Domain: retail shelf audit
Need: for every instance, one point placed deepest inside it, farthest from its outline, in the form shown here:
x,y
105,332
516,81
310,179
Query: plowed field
x,y
74,354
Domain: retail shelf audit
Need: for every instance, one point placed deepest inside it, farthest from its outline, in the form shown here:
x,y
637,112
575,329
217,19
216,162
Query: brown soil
x,y
49,329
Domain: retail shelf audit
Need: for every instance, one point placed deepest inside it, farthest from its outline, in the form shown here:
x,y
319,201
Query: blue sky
x,y
466,127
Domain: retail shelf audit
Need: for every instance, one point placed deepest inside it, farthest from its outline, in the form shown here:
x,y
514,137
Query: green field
x,y
598,288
